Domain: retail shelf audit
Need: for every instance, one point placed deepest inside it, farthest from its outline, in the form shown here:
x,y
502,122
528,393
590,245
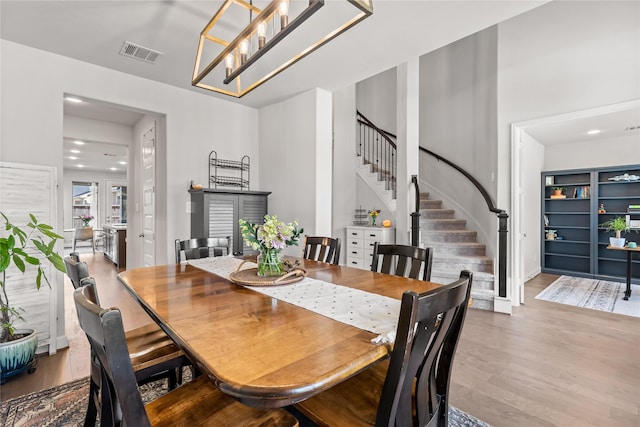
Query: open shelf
x,y
583,247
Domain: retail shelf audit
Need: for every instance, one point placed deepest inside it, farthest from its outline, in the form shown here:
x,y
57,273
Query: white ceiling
x,y
611,123
95,156
98,155
94,31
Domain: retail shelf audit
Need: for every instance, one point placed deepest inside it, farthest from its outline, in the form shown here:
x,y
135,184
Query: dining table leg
x,y
627,292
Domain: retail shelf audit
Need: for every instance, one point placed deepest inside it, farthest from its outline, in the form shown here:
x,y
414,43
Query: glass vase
x,y
270,263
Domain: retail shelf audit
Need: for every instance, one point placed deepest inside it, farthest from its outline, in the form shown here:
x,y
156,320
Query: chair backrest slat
x,y
105,332
203,247
402,260
415,391
323,249
76,270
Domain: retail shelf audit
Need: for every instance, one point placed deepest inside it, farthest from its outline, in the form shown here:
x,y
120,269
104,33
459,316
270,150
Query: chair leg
x,y
92,410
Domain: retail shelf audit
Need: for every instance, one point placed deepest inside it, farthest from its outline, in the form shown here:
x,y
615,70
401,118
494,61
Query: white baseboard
x,y
502,305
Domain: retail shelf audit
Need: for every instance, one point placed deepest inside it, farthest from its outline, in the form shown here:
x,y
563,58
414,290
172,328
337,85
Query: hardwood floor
x,y
546,365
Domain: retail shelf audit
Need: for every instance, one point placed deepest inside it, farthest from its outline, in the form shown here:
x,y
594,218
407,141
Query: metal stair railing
x,y
502,220
376,148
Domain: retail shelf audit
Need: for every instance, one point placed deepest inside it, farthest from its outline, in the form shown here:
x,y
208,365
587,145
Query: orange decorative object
x,y
386,223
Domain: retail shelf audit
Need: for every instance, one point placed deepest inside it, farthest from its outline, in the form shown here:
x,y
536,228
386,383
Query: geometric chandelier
x,y
246,43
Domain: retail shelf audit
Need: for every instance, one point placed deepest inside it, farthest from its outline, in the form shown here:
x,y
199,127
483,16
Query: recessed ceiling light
x,y
114,169
75,151
594,132
77,142
72,99
123,163
72,158
80,166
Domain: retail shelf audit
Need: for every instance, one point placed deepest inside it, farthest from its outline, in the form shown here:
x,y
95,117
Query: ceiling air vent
x,y
633,127
142,53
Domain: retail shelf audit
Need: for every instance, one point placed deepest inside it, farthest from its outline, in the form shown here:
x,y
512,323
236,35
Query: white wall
x,y
376,99
458,85
344,172
295,154
96,130
32,123
564,57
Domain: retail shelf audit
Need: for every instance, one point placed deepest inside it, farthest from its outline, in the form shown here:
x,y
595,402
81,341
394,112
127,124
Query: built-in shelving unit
x,y
616,193
573,242
229,173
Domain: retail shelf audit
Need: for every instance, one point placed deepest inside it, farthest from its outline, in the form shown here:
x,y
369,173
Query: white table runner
x,y
365,310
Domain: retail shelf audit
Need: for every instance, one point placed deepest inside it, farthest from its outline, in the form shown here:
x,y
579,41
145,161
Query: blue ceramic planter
x,y
18,356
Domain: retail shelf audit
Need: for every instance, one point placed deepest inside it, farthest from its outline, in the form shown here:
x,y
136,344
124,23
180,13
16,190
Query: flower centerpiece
x,y
373,214
269,239
86,219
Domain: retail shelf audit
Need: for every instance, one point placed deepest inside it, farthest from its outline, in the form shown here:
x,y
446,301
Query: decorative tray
x,y
249,277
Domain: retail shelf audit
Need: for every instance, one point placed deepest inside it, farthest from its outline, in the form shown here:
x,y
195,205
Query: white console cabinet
x,y
360,241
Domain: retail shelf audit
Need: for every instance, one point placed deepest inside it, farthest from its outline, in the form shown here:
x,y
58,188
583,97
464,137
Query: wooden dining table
x,y
263,351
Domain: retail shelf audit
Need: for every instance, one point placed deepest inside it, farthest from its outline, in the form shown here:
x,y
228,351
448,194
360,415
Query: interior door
x,y
148,147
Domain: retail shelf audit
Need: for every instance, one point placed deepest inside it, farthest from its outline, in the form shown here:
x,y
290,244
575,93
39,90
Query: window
x,y
85,202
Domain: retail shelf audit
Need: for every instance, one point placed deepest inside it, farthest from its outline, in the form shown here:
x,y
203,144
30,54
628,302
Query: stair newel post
x,y
502,253
415,216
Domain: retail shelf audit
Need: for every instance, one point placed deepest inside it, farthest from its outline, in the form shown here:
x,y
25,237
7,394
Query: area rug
x,y
65,406
594,294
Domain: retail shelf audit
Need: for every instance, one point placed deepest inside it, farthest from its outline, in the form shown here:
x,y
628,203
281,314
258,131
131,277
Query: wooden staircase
x,y
455,248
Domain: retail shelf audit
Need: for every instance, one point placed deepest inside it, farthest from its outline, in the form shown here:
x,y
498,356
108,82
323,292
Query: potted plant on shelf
x,y
557,191
617,224
21,248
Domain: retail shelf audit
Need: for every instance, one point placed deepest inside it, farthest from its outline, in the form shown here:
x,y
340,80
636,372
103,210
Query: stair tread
x,y
452,257
474,244
460,231
480,275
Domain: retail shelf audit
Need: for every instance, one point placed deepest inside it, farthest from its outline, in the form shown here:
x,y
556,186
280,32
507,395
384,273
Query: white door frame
x,y
517,130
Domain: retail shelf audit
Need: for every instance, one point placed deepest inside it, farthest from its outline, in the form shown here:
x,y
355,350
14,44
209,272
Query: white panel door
x,y
148,196
26,189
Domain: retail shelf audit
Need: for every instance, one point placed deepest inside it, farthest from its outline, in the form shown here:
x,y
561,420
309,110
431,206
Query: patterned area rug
x,y
65,406
595,294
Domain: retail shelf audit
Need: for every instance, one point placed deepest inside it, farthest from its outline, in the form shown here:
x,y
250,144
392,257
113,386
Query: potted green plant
x,y
557,191
617,224
21,249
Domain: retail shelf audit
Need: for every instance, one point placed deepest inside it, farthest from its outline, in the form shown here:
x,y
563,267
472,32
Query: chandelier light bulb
x,y
262,34
244,50
228,62
284,14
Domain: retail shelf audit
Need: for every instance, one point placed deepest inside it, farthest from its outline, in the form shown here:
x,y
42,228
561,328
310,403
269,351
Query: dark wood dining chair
x,y
403,260
197,403
323,249
203,247
412,389
154,356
